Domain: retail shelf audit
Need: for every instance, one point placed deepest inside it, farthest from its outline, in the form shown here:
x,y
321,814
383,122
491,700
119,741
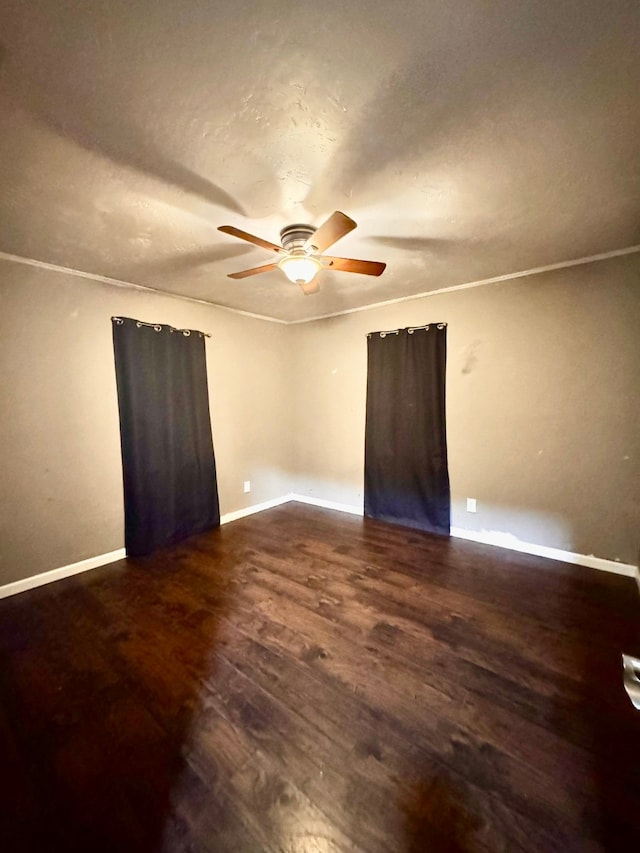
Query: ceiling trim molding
x,y
590,259
32,262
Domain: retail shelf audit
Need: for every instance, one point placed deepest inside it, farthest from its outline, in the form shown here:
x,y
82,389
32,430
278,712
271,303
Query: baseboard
x,y
512,543
484,537
305,499
64,572
503,540
104,559
250,510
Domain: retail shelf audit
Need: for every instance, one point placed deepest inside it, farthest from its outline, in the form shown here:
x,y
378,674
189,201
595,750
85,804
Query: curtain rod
x,y
410,329
158,327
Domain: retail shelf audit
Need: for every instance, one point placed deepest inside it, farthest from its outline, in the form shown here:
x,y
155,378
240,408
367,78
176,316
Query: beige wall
x,y
542,398
542,405
61,487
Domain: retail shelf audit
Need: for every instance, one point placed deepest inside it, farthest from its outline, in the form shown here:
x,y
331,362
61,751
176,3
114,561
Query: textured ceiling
x,y
468,140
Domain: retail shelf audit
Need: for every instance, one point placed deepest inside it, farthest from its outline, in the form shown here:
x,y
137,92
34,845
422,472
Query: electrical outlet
x,y
471,505
247,486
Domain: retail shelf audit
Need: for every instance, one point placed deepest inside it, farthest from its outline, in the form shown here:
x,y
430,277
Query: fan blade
x,y
335,227
352,265
310,287
251,238
253,271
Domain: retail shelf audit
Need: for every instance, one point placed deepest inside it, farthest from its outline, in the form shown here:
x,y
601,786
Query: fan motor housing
x,y
295,236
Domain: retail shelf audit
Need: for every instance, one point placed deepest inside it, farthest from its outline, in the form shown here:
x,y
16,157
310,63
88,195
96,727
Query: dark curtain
x,y
406,474
169,470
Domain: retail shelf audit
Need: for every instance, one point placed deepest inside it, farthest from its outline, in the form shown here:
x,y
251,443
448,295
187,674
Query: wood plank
x,y
304,680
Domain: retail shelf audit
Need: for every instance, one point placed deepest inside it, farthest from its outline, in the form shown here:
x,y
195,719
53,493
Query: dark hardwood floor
x,y
305,681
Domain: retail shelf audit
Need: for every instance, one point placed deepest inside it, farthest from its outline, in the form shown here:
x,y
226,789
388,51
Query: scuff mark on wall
x,y
470,356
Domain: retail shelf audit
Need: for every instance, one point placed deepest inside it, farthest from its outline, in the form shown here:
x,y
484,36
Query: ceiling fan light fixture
x,y
302,252
300,269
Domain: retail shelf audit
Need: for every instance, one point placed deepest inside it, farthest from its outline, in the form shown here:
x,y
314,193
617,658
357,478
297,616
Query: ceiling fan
x,y
301,252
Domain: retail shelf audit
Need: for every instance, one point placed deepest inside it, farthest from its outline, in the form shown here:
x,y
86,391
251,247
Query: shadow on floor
x,y
437,819
287,681
101,675
600,717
